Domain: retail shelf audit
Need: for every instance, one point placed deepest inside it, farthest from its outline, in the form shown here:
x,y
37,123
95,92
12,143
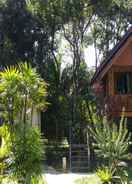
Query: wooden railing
x,y
118,103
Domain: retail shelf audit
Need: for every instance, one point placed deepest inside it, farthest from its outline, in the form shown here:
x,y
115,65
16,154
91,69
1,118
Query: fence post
x,y
64,164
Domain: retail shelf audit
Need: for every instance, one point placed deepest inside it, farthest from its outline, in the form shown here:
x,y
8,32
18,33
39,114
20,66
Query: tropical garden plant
x,y
4,150
22,90
104,174
111,145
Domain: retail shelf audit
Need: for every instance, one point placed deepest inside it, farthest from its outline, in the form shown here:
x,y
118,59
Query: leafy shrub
x,y
104,174
4,150
27,153
111,144
22,90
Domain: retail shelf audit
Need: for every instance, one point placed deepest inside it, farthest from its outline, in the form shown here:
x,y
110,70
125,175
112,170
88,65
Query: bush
x,y
111,144
27,151
104,174
22,90
4,150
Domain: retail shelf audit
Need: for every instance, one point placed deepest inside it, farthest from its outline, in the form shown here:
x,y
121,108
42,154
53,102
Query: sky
x,y
89,55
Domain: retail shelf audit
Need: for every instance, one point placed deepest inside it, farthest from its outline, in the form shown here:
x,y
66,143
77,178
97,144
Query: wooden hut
x,y
112,82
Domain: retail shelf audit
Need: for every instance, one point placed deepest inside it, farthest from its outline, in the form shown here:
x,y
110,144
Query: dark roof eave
x,y
112,54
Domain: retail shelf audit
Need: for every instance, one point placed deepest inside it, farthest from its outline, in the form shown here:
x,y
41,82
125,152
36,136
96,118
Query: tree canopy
x,y
32,30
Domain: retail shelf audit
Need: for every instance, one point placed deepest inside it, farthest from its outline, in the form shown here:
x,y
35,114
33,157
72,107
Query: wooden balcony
x,y
118,103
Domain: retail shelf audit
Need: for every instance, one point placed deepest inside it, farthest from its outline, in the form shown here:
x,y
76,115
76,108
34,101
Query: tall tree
x,y
111,21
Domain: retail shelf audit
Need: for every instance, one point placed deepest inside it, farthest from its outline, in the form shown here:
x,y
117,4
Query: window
x,y
124,83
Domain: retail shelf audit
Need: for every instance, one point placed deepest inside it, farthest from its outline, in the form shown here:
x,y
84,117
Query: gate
x,y
79,152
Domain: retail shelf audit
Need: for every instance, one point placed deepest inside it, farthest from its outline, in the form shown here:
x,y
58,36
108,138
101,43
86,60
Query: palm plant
x,y
9,90
22,90
111,143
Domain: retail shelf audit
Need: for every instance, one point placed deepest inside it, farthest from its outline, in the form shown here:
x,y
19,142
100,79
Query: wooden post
x,y
64,164
111,82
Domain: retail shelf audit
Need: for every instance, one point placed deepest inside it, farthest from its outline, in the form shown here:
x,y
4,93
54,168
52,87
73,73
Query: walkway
x,y
62,178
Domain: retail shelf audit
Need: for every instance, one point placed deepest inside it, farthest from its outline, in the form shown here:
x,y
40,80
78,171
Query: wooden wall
x,y
121,62
125,57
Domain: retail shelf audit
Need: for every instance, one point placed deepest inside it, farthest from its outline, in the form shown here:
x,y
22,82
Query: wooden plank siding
x,y
117,90
117,103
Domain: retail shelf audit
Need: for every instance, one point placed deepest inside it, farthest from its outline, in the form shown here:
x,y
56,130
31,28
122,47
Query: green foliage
x,y
111,145
33,86
21,89
4,150
107,177
41,180
104,174
27,152
5,137
20,85
29,31
121,176
60,11
111,142
2,3
106,32
38,180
